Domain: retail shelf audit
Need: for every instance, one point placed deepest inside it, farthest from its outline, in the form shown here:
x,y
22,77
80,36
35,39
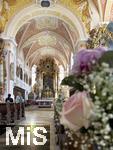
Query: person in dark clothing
x,y
9,99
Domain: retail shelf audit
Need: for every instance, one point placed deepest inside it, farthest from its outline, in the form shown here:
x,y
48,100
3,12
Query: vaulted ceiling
x,y
49,35
46,36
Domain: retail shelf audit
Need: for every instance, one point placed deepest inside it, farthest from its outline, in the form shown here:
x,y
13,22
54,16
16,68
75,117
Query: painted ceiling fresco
x,y
55,39
8,8
47,32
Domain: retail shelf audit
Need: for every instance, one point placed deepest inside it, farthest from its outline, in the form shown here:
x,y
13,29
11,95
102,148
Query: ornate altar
x,y
46,72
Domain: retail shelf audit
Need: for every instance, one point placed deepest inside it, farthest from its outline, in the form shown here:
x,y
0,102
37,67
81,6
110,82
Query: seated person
x,y
9,99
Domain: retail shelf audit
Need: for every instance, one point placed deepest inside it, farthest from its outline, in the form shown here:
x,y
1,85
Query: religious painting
x,y
48,82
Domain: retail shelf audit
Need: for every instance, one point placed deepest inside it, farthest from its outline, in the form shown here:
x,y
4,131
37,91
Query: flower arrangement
x,y
85,59
97,83
59,101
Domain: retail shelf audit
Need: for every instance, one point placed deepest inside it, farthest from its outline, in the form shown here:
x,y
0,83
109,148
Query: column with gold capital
x,y
10,63
8,66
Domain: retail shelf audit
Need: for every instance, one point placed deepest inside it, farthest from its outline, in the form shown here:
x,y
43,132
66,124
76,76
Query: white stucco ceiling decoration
x,y
48,51
49,37
47,40
46,22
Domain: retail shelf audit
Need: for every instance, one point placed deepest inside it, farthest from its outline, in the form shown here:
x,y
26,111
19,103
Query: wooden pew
x,y
22,110
13,112
10,112
5,115
18,109
28,102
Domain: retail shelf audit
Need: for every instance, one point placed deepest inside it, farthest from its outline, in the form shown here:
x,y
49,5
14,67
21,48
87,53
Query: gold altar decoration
x,y
4,10
99,36
47,66
36,88
79,8
46,71
10,7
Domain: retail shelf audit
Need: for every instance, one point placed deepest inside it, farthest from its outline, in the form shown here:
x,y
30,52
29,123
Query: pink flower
x,y
84,59
77,111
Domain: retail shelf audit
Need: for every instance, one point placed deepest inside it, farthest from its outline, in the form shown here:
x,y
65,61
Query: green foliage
x,y
107,58
59,102
73,81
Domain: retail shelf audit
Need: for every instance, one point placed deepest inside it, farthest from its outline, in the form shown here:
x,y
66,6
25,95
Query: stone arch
x,y
34,11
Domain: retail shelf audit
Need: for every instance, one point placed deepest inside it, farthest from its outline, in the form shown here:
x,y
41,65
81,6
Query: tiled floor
x,y
39,117
43,117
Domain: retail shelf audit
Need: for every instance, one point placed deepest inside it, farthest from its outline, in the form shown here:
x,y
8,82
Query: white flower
x,y
72,138
91,76
75,144
97,98
109,106
105,119
110,115
111,148
105,65
93,61
110,98
98,78
106,137
70,143
67,132
104,114
86,86
107,70
104,93
102,131
107,129
65,144
102,143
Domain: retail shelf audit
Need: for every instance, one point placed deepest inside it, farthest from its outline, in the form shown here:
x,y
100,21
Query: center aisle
x,y
41,117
